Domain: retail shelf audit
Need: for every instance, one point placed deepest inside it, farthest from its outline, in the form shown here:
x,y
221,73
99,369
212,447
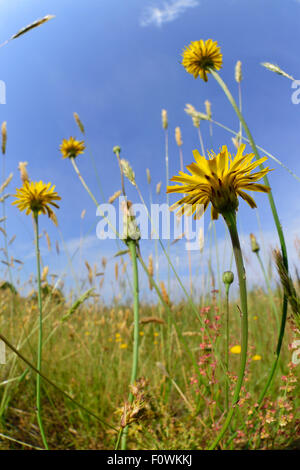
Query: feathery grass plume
x,y
4,137
178,136
115,196
71,148
199,57
128,171
238,72
254,244
6,183
57,247
164,293
201,239
77,304
158,187
90,272
83,214
208,109
101,283
148,176
275,68
44,273
47,239
196,116
31,26
288,287
237,140
104,262
145,320
150,269
164,119
78,122
12,240
116,271
124,266
23,171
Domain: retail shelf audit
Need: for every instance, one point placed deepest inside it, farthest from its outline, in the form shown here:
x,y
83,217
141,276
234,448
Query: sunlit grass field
x,y
89,357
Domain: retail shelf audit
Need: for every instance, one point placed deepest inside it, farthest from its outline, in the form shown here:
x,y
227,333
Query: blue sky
x,y
117,64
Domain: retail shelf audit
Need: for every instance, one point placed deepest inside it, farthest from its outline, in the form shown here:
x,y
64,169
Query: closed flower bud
x,y
117,149
228,277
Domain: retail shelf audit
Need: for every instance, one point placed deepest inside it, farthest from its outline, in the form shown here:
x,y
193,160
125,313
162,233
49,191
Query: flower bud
x,y
228,277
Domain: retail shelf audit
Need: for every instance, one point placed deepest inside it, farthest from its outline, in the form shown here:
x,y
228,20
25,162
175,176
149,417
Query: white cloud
x,y
167,13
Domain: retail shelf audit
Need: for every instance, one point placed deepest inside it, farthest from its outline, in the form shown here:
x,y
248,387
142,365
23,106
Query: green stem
x,y
230,219
132,249
40,339
269,289
277,223
227,286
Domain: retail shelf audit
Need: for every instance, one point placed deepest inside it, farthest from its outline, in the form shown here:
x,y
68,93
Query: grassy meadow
x,y
215,370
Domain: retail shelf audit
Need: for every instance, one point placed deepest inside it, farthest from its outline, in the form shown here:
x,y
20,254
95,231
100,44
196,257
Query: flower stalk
x,y
278,227
40,337
230,219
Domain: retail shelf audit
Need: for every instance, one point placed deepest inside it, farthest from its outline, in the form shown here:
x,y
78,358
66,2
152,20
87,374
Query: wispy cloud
x,y
168,12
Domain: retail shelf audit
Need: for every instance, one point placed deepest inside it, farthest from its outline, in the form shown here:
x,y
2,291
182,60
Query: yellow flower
x,y
256,357
201,56
236,349
123,346
71,148
255,317
37,197
142,333
219,180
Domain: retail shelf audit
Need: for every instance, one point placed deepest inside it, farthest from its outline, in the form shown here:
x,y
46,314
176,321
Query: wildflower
x,y
36,197
236,349
199,57
71,148
142,333
256,357
219,181
255,317
123,346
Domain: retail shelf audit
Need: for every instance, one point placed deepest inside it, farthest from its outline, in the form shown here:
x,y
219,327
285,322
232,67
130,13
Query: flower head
x,y
71,148
37,197
256,357
201,56
236,349
219,181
